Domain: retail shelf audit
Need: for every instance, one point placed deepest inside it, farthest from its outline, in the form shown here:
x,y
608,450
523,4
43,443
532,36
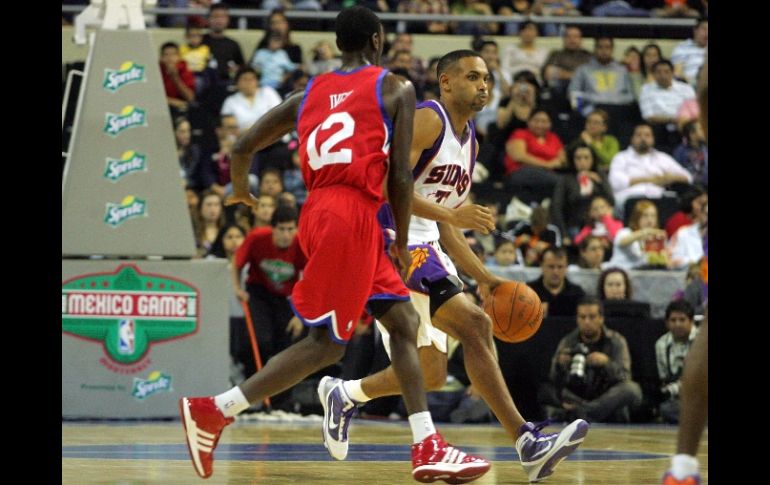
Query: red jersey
x,y
344,138
275,269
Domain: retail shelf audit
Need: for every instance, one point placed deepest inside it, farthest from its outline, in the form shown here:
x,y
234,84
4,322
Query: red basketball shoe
x,y
203,423
434,459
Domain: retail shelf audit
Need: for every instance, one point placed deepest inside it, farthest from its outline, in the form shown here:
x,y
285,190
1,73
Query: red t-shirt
x,y
676,221
186,75
275,269
547,150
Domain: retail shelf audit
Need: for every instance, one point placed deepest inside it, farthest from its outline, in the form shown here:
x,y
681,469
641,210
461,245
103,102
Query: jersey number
x,y
326,157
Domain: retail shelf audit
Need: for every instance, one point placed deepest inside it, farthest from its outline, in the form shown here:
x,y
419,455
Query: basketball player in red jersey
x,y
694,395
442,158
346,122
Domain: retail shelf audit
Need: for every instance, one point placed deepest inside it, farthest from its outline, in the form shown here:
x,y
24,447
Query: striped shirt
x,y
690,55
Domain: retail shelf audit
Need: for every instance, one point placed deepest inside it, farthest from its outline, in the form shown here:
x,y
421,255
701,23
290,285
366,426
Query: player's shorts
x,y
432,281
347,264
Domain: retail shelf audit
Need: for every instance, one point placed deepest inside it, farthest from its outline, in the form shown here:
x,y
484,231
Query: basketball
x,y
515,310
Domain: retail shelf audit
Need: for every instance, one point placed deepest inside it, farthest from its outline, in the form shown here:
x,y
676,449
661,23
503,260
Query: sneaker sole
x,y
326,439
456,474
574,440
184,413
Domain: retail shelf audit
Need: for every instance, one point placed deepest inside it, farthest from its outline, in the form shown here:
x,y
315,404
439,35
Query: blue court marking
x,y
310,452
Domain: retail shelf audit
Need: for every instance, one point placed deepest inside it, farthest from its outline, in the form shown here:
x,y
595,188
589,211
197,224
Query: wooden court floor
x,y
292,454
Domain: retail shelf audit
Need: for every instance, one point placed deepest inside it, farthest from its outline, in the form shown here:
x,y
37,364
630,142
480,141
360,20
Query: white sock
x,y
683,465
355,391
422,426
231,402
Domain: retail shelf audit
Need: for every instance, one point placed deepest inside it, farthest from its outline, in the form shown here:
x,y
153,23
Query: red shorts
x,y
347,264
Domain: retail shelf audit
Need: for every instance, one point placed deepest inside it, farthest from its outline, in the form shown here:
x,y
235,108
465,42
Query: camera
x,y
577,367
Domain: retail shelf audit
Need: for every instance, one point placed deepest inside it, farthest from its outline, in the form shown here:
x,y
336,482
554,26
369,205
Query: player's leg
x,y
694,412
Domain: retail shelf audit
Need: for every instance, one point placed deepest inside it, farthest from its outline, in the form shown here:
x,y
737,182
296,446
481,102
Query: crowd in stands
x,y
588,163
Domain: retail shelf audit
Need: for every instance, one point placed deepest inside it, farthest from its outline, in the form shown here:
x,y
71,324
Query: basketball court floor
x,y
292,453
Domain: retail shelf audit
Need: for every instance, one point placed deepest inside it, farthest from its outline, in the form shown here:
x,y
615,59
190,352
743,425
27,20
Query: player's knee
x,y
476,326
402,322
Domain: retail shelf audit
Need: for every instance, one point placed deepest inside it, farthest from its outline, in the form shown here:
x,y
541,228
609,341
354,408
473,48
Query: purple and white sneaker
x,y
338,411
540,453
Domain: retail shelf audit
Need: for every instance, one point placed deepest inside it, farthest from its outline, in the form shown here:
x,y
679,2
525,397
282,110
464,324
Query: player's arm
x,y
266,131
400,99
427,128
456,246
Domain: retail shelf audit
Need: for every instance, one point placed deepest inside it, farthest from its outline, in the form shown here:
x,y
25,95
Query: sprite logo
x,y
129,162
129,117
127,311
128,208
155,382
127,73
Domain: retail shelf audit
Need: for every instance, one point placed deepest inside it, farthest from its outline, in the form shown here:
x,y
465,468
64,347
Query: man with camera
x,y
670,351
591,371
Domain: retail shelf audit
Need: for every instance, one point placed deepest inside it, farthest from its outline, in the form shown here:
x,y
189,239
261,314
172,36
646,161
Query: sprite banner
x,y
128,311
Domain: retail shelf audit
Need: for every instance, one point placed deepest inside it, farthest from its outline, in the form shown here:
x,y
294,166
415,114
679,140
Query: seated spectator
x,y
426,7
251,101
210,218
554,8
590,374
524,56
472,7
642,171
601,81
670,352
642,244
535,236
616,293
689,55
178,80
324,59
575,190
651,54
695,287
228,240
506,255
559,295
693,153
688,242
600,223
199,59
272,61
595,135
532,156
277,21
660,101
690,206
591,255
561,64
675,9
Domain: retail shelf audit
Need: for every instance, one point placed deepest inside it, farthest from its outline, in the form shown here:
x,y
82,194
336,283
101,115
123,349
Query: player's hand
x,y
485,288
294,328
247,199
402,258
597,359
473,216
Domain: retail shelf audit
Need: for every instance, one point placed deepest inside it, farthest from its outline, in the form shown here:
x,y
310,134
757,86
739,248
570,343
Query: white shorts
x,y
427,334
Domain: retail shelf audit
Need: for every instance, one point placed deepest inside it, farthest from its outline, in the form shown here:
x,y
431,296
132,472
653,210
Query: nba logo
x,y
126,334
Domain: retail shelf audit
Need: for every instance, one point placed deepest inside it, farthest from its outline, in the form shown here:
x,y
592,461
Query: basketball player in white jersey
x,y
443,155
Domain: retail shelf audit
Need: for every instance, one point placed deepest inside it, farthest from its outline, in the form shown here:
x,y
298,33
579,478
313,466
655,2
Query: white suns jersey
x,y
443,173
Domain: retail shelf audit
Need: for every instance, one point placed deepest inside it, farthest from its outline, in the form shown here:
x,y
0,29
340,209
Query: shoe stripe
x,y
205,434
191,430
205,441
203,448
460,457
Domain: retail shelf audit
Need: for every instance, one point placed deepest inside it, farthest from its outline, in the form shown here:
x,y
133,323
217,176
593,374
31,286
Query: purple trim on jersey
x,y
458,138
304,97
473,150
345,73
384,296
326,321
427,155
385,116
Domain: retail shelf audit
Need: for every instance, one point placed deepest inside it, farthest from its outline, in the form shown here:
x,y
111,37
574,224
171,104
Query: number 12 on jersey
x,y
317,160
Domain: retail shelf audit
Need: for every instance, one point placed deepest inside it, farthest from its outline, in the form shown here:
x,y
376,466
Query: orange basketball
x,y
515,310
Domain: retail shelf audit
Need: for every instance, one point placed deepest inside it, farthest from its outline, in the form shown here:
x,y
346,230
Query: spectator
x,y
616,293
178,81
591,371
688,242
670,352
605,146
600,81
632,60
535,236
575,189
591,255
642,171
324,59
692,203
524,56
693,153
272,61
506,255
188,153
688,56
426,7
562,64
641,244
600,223
559,295
226,52
251,101
210,219
660,103
278,22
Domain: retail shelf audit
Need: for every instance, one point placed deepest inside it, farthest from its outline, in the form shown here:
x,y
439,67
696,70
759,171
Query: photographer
x,y
591,371
670,351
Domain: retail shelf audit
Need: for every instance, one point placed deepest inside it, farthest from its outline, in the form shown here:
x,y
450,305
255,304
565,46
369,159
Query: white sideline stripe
x,y
191,438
